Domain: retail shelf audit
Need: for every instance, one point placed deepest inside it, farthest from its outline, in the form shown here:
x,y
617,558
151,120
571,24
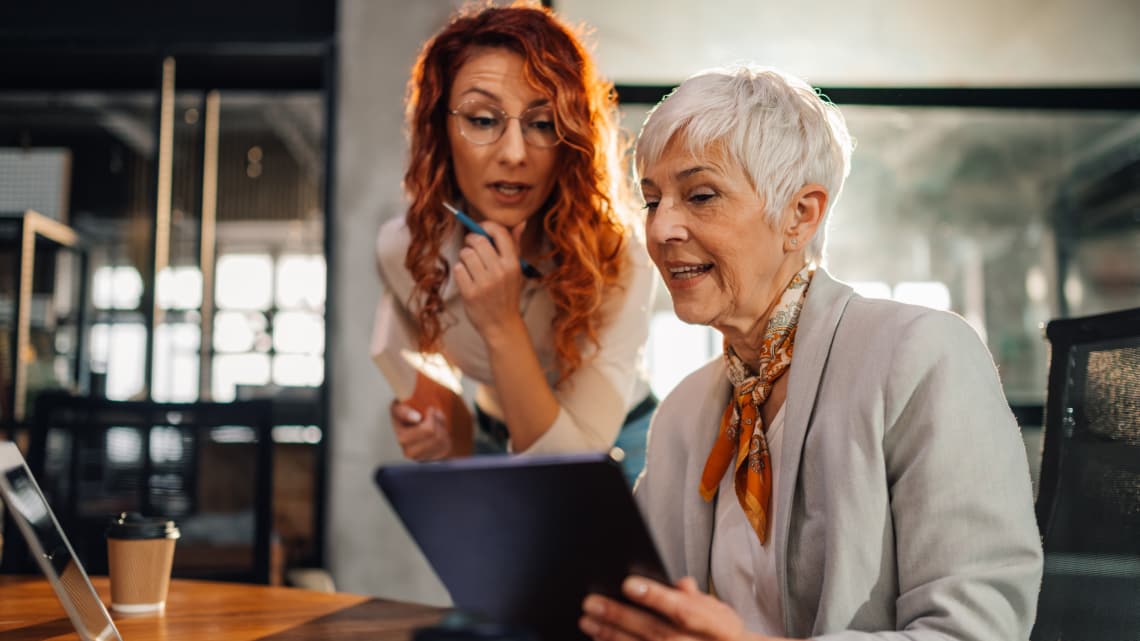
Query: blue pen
x,y
528,270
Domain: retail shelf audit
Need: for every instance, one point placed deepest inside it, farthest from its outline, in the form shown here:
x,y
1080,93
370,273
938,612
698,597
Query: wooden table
x,y
199,610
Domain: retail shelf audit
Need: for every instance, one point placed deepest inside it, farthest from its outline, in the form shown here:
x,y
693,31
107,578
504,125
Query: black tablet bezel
x,y
522,539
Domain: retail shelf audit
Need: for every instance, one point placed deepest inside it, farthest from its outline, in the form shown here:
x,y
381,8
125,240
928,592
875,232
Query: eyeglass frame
x,y
456,112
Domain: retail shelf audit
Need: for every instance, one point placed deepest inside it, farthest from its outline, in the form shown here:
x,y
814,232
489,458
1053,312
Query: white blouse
x,y
594,399
743,571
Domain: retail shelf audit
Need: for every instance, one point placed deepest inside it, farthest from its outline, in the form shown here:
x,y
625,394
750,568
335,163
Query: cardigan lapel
x,y
822,311
697,514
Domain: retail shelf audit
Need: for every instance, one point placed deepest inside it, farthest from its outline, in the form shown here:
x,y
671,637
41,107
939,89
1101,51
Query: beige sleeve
x,y
596,397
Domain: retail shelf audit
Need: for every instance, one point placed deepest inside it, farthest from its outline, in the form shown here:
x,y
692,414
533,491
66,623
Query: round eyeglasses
x,y
482,123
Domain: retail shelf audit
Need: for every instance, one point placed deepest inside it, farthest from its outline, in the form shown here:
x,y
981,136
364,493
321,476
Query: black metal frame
x,y
1120,98
86,413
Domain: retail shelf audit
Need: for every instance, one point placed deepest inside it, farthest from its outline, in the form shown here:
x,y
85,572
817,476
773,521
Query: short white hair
x,y
781,131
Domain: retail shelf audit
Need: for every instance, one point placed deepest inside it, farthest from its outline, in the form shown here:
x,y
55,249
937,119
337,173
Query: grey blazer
x,y
905,509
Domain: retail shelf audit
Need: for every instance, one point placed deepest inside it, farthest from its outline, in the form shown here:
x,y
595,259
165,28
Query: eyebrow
x,y
537,102
680,175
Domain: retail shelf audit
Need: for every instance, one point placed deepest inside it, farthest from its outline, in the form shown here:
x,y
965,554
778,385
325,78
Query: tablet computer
x,y
521,540
50,548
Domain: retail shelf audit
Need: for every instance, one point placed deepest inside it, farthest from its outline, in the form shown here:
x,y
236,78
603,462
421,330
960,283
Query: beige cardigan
x,y
905,500
594,400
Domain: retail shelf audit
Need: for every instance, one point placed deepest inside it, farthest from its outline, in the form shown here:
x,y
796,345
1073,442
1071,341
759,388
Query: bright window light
x,y
120,348
180,288
116,288
1036,284
176,362
301,281
166,444
310,434
298,371
231,370
299,332
872,289
237,331
245,281
931,294
675,349
1074,289
124,445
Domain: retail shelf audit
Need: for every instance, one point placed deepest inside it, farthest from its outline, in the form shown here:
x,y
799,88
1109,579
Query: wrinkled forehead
x,y
497,75
681,152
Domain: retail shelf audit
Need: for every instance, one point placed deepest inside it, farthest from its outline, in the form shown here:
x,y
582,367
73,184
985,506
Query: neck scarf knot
x,y
741,439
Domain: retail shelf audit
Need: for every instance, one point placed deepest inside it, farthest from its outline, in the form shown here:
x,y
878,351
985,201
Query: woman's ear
x,y
808,206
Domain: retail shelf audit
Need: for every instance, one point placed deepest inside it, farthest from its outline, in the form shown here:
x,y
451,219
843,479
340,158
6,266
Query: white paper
x,y
394,352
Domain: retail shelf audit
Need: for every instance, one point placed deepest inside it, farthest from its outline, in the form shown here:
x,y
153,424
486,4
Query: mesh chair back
x,y
1088,506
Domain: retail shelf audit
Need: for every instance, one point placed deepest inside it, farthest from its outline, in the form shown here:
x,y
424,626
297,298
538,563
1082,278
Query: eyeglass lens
x,y
483,123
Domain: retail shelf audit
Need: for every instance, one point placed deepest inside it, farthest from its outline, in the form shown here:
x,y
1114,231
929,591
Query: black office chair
x,y
1088,505
207,466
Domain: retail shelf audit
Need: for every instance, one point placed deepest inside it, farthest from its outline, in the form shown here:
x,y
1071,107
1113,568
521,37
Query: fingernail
x,y
594,605
636,587
589,626
414,416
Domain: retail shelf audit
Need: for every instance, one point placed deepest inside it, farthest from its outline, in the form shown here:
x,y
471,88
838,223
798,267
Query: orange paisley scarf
x,y
741,438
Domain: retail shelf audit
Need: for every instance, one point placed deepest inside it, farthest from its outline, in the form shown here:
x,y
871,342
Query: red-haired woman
x,y
549,312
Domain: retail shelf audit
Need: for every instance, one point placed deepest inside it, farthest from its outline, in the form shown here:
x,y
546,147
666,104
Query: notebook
x,y
394,351
520,540
50,548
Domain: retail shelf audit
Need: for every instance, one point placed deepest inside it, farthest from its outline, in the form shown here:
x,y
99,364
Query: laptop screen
x,y
52,552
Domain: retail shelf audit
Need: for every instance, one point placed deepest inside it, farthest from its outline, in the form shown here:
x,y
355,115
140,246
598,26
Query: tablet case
x,y
521,540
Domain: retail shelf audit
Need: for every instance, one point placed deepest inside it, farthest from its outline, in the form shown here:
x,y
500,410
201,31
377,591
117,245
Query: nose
x,y
666,224
512,146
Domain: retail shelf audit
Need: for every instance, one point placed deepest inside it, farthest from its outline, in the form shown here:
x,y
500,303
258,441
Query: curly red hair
x,y
581,222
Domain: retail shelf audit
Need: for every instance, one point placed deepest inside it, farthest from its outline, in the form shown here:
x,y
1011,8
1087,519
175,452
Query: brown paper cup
x,y
140,553
140,573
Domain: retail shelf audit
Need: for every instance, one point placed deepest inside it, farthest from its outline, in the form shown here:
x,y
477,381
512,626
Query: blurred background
x,y
207,180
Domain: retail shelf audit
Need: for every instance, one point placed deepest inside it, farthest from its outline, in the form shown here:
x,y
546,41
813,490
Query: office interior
x,y
208,179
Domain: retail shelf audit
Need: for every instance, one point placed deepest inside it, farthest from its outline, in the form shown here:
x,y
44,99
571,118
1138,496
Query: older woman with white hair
x,y
849,469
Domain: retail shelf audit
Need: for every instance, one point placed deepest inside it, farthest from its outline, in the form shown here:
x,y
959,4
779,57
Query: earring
x,y
795,241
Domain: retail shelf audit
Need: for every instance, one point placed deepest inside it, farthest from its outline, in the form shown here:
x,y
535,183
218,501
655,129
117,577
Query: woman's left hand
x,y
683,612
489,277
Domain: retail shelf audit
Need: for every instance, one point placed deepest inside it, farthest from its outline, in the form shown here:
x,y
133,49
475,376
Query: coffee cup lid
x,y
132,525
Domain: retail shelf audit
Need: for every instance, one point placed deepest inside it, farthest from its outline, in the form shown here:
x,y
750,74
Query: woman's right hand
x,y
490,281
422,438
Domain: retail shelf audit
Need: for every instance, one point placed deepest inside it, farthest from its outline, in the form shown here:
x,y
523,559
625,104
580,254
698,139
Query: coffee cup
x,y
140,552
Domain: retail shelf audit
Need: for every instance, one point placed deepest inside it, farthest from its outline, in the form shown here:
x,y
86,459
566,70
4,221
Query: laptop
x,y
50,548
521,540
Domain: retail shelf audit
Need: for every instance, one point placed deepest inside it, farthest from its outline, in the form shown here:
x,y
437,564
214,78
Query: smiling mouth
x,y
689,271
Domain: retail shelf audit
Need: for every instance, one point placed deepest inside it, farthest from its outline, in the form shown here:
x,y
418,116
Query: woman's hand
x,y
683,612
490,279
423,438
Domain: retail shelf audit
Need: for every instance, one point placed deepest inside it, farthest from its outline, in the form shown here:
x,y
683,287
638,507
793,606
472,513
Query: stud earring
x,y
795,241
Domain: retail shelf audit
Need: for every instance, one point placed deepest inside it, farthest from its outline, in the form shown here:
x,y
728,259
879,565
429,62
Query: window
x,y
269,328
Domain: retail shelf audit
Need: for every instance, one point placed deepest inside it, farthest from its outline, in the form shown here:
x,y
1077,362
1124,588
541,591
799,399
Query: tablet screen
x,y
522,539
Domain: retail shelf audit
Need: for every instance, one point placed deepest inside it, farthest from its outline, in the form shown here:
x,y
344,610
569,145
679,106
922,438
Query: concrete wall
x,y
367,549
